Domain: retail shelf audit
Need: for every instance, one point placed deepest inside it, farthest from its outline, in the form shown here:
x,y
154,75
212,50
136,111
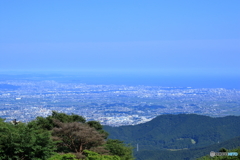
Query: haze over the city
x,y
122,79
172,38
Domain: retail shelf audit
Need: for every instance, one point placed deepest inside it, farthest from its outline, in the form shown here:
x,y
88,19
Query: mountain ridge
x,y
178,131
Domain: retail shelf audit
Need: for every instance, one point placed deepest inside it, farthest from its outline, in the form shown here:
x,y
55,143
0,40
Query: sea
x,y
133,79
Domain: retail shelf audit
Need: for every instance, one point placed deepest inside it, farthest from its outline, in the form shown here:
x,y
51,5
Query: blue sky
x,y
156,36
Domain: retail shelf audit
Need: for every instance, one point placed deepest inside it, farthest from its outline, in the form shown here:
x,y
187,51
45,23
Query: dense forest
x,y
58,137
187,154
182,136
61,136
237,150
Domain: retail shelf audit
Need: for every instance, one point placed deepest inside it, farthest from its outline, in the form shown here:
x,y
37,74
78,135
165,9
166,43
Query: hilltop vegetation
x,y
178,131
175,135
186,154
62,136
59,136
223,157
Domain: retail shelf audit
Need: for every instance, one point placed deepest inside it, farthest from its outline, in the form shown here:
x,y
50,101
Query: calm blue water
x,y
196,81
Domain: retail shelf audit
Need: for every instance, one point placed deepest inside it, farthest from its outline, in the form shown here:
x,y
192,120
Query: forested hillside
x,y
186,154
175,135
58,137
61,136
178,131
237,150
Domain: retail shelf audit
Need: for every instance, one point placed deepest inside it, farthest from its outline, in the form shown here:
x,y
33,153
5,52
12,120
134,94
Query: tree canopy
x,y
59,136
77,137
21,142
48,124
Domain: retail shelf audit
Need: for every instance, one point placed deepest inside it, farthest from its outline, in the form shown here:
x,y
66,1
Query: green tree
x,y
21,142
95,125
59,132
48,124
66,156
98,127
90,155
42,123
118,148
76,137
67,118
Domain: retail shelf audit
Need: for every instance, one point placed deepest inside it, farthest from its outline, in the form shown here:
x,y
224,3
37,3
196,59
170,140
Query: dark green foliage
x,y
21,142
178,131
42,123
98,127
90,155
67,118
185,136
117,147
223,150
66,156
59,132
47,123
190,154
95,125
223,157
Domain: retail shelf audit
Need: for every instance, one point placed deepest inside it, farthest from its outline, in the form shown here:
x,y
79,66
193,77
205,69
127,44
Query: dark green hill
x,y
186,154
236,157
178,131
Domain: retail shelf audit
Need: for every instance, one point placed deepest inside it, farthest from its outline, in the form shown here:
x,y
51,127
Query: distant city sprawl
x,y
113,105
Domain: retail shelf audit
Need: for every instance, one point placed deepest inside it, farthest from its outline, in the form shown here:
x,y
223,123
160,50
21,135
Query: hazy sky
x,y
201,36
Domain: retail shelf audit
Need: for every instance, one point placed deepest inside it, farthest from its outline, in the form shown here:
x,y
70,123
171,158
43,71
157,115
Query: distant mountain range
x,y
184,135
